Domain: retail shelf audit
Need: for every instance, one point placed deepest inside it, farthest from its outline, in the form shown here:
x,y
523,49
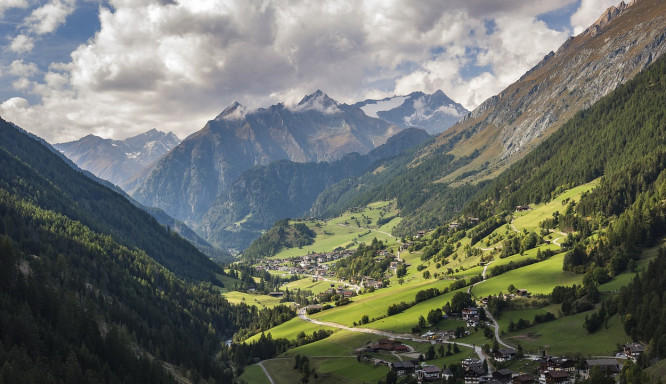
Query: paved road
x,y
303,316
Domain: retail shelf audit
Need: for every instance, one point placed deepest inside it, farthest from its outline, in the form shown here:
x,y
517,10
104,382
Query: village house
x,y
446,374
633,350
557,364
504,354
454,225
557,377
473,321
428,373
473,374
609,367
524,378
522,208
402,367
503,375
469,312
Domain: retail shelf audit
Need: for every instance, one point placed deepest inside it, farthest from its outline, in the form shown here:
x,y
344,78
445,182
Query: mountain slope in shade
x,y
264,194
72,193
627,39
185,182
118,160
434,113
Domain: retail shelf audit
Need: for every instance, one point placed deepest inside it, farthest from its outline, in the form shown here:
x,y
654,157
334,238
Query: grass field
x,y
341,343
254,375
261,301
376,303
343,231
567,336
330,370
540,277
307,284
530,219
290,329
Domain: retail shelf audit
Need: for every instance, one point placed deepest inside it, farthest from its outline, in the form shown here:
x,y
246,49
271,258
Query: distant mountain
x,y
264,194
435,181
185,182
435,112
118,160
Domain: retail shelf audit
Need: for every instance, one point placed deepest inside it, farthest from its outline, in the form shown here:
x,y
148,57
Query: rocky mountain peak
x,y
235,111
318,101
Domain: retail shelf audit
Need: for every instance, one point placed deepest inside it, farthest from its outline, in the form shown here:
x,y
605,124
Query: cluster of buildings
x,y
316,264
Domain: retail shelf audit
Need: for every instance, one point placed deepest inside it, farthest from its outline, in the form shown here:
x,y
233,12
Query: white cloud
x,y
19,68
22,44
175,65
47,18
9,4
588,12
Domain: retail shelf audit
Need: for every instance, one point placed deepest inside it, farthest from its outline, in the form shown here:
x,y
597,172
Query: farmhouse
x,y
428,373
505,354
386,344
633,350
522,208
469,312
504,375
402,367
557,377
524,378
607,366
473,375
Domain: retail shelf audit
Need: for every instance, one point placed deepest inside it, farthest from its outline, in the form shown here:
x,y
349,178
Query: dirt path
x,y
261,364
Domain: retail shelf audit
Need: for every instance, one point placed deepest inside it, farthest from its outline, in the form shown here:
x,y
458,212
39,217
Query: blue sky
x,y
116,68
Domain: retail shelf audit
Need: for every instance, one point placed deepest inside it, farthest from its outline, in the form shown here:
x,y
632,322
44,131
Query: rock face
x,y
185,182
118,160
434,113
620,44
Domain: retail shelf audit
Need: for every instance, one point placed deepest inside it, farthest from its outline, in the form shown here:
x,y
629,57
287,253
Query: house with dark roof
x,y
557,377
504,354
473,374
428,373
504,375
402,367
524,378
634,350
609,367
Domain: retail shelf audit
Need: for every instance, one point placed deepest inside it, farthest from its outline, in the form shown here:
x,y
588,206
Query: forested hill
x,y
622,128
31,170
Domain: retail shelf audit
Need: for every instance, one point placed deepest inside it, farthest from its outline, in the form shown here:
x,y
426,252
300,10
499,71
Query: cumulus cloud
x,y
47,18
173,65
19,68
588,12
22,44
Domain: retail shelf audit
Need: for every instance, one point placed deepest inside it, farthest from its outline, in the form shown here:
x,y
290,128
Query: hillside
x,y
264,194
433,182
118,160
55,185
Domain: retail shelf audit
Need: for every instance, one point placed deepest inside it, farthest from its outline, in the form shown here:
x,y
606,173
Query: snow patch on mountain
x,y
387,104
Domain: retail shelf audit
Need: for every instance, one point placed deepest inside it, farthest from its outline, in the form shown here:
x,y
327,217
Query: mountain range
x,y
118,160
434,113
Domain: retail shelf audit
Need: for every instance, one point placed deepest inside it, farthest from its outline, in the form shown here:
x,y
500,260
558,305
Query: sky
x,y
117,68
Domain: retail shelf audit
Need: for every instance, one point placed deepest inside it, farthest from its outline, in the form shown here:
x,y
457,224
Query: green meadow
x,y
261,301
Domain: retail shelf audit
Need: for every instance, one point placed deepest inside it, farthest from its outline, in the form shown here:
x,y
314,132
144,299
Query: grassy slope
x,y
260,301
343,235
255,375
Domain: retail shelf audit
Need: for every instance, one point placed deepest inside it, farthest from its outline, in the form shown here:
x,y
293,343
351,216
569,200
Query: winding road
x,y
303,316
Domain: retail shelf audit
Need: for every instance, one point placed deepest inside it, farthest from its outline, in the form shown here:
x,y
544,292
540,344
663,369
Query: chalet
x,y
522,292
503,375
454,225
473,321
469,363
607,366
524,378
469,312
420,234
446,374
474,220
347,293
428,373
633,350
402,367
557,364
522,208
474,374
557,377
387,344
505,354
